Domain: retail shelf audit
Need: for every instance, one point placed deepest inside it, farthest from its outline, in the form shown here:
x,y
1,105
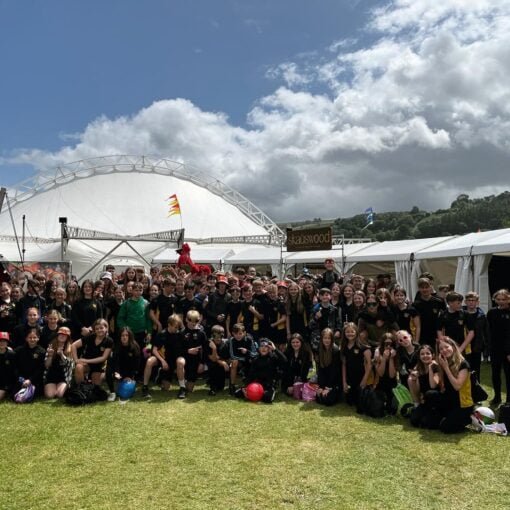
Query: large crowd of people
x,y
346,334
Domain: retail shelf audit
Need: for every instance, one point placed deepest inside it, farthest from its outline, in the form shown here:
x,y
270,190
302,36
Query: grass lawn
x,y
222,453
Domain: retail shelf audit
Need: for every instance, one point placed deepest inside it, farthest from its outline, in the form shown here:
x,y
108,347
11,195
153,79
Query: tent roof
x,y
457,246
393,250
258,255
128,196
317,257
494,245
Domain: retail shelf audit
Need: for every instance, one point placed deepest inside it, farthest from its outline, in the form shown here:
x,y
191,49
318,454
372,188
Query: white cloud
x,y
414,118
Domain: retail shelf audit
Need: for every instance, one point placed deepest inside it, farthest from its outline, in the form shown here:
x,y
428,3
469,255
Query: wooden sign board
x,y
311,239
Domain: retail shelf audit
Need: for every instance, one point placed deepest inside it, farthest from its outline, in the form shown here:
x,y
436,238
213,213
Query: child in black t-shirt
x,y
189,363
455,323
95,351
124,362
166,348
242,349
217,359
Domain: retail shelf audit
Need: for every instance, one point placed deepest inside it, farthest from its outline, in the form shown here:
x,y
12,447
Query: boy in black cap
x,y
264,370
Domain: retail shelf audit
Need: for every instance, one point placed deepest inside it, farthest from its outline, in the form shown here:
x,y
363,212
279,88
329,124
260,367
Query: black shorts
x,y
191,367
96,368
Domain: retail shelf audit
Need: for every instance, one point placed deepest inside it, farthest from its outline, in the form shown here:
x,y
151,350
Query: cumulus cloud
x,y
413,118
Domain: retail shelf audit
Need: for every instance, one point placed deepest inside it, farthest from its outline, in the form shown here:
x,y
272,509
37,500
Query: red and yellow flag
x,y
174,207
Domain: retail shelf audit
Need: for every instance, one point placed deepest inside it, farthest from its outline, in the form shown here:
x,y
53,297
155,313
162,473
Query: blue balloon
x,y
126,389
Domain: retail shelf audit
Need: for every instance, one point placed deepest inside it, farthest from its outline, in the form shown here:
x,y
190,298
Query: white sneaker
x,y
111,397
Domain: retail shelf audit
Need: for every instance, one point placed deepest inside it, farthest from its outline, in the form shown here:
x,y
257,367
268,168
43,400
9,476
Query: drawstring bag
x,y
297,390
309,392
25,395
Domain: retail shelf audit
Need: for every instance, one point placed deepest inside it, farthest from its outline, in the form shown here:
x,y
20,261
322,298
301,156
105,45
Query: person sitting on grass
x,y
456,402
30,362
264,370
124,362
8,369
189,363
356,364
423,379
59,364
95,351
329,370
242,349
217,359
386,367
166,348
299,362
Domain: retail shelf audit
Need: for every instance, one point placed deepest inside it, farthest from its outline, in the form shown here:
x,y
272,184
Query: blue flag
x,y
369,212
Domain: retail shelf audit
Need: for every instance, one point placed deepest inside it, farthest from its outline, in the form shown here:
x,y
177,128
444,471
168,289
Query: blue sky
x,y
66,63
288,101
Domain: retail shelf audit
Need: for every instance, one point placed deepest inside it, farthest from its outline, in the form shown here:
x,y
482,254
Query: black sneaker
x,y
182,393
145,392
212,393
232,389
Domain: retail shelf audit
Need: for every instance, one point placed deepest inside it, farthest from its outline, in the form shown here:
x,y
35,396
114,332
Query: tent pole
x,y
100,261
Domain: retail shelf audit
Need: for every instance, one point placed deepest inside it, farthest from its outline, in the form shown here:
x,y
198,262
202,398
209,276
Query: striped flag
x,y
174,207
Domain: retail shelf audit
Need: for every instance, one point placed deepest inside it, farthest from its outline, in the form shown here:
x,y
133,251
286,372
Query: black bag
x,y
372,403
84,393
478,394
504,415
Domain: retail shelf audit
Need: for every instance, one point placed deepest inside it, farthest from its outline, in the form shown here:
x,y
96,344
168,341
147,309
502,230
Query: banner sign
x,y
309,239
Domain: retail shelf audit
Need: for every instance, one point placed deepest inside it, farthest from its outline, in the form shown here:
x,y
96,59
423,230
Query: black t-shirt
x,y
92,350
354,358
455,324
429,311
233,312
183,306
499,327
30,363
170,345
163,306
8,370
404,318
194,338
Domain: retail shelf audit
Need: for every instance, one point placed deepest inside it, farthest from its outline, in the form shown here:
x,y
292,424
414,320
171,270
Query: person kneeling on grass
x,y
59,365
329,370
124,362
264,370
95,351
242,350
166,348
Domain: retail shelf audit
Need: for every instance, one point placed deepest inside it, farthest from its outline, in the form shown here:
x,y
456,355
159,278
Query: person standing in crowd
x,y
499,344
330,276
217,302
481,331
8,368
86,311
428,307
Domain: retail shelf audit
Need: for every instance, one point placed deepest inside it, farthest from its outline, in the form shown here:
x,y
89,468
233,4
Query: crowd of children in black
x,y
343,333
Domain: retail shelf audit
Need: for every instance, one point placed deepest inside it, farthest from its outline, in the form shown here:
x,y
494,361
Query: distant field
x,y
221,453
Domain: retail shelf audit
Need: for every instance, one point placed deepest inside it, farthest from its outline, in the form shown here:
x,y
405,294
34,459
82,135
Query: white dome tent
x,y
117,207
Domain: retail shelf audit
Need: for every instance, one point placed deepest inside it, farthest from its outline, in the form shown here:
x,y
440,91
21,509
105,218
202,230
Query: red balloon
x,y
254,391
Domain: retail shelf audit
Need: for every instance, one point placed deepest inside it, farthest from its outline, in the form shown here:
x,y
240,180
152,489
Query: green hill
x,y
464,215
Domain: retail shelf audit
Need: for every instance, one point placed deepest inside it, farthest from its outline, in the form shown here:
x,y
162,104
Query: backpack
x,y
403,399
84,393
372,402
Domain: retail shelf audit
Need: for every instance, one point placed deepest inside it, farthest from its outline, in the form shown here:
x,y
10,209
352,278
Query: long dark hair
x,y
132,344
